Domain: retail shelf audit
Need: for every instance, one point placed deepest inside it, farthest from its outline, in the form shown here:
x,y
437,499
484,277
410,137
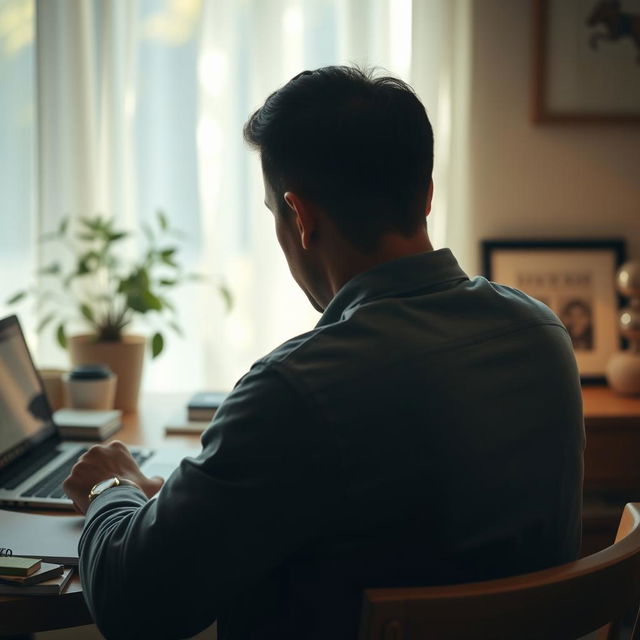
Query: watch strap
x,y
115,481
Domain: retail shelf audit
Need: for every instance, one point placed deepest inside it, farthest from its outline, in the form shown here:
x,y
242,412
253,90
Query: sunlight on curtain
x,y
249,49
18,254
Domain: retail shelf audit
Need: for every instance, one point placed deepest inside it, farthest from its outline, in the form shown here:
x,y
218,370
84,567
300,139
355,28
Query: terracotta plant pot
x,y
124,358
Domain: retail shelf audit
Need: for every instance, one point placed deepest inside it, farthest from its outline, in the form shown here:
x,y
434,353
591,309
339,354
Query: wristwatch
x,y
103,485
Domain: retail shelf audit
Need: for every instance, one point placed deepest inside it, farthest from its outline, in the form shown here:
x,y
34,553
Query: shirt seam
x,y
398,293
280,362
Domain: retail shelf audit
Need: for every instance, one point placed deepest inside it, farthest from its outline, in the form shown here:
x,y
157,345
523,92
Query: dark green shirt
x,y
428,430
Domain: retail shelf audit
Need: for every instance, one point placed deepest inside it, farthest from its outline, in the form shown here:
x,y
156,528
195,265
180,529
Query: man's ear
x,y
427,209
305,214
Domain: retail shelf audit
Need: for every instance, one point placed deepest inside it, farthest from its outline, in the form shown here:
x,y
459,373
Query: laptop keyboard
x,y
51,485
25,471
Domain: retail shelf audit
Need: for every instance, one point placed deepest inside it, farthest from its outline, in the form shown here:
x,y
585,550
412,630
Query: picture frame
x,y
586,61
576,279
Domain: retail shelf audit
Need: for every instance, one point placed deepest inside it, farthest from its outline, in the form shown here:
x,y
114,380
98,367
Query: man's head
x,y
359,147
347,161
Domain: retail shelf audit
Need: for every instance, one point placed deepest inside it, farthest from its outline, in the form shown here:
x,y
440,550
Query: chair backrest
x,y
563,602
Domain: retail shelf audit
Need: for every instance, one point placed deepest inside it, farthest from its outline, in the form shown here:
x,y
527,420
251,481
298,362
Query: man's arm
x,y
257,493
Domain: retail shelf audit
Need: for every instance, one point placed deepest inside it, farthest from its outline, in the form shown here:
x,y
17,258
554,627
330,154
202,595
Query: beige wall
x,y
526,180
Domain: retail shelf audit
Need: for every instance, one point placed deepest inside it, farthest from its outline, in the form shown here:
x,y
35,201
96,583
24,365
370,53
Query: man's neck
x,y
392,246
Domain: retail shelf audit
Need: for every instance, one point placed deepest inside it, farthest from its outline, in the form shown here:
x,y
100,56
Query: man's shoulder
x,y
516,300
291,349
497,306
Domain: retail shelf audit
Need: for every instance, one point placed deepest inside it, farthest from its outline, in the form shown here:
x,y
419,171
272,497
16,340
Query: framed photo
x,y
576,279
586,61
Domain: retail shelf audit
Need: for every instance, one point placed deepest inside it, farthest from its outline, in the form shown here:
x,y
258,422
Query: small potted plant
x,y
107,293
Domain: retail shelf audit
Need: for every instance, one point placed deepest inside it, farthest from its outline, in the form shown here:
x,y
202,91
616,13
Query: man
x,y
428,430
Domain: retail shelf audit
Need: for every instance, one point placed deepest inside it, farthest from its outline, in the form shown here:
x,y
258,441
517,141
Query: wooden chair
x,y
559,603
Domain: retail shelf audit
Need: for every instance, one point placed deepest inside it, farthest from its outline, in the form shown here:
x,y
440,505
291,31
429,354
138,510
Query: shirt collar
x,y
420,271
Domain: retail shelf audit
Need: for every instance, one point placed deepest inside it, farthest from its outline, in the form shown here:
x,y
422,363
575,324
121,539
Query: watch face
x,y
105,484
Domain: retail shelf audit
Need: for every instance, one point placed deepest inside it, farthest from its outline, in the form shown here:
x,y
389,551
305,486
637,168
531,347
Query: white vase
x,y
623,372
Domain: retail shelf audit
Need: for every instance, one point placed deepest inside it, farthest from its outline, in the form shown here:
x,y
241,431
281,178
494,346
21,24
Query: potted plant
x,y
107,293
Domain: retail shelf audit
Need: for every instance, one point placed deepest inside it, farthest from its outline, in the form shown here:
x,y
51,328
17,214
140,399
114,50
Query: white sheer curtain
x,y
141,105
17,150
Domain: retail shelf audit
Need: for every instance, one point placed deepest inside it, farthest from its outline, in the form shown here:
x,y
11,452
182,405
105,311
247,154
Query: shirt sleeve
x,y
257,492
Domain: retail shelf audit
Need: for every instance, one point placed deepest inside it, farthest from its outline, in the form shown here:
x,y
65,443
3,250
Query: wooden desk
x,y
27,614
612,456
611,463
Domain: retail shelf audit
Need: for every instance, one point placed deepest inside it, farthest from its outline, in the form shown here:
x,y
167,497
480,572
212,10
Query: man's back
x,y
453,410
429,430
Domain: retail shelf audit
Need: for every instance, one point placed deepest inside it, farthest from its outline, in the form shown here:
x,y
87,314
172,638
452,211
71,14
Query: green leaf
x,y
61,336
152,302
114,236
157,345
88,263
143,301
165,282
86,311
227,297
162,220
137,282
44,322
168,304
16,297
91,223
167,255
83,268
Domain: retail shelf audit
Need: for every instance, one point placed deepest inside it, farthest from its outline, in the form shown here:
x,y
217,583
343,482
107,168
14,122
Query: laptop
x,y
34,460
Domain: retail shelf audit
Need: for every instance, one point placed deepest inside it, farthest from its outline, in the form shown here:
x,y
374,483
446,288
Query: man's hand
x,y
102,462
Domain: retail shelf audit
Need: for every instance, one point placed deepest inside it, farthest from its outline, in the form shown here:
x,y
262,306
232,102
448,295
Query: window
x,y
141,106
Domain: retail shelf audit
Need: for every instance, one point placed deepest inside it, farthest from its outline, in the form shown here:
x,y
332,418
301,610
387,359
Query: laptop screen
x,y
25,416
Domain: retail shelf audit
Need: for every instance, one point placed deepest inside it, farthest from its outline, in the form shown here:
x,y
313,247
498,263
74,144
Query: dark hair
x,y
359,146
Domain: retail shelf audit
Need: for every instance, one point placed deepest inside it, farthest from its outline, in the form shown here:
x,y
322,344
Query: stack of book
x,y
200,409
87,424
30,576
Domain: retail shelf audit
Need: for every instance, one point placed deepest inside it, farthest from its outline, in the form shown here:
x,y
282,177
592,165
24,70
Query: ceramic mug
x,y
91,386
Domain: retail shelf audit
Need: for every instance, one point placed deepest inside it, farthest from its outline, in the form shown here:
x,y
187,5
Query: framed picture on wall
x,y
576,279
586,61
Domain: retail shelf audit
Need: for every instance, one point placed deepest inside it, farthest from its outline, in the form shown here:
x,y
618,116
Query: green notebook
x,y
17,566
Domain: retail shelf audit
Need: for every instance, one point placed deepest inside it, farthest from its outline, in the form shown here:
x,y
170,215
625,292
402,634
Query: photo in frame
x,y
576,279
586,61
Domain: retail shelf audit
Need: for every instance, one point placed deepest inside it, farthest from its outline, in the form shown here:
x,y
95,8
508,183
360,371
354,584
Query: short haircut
x,y
359,146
